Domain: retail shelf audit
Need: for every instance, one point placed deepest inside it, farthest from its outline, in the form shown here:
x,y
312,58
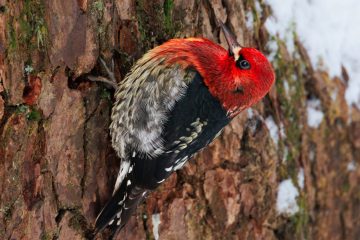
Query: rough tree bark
x,y
57,166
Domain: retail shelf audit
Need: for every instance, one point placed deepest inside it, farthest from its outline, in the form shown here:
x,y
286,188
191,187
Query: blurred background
x,y
286,169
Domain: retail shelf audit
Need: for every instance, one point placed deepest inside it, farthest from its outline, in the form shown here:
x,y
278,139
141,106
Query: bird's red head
x,y
242,79
238,78
242,76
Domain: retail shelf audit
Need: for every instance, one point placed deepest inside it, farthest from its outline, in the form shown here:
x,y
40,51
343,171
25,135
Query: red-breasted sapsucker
x,y
175,100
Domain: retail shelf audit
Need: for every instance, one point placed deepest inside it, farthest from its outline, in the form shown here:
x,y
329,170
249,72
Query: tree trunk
x,y
57,166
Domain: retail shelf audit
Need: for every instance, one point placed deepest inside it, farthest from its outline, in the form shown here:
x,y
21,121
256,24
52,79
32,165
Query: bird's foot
x,y
110,79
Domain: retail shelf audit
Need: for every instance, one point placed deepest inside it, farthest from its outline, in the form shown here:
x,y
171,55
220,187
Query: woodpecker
x,y
174,101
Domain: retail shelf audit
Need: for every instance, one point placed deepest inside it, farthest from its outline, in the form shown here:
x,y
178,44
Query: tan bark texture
x,y
57,166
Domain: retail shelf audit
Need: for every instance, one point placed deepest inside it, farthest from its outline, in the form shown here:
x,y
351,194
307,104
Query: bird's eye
x,y
243,64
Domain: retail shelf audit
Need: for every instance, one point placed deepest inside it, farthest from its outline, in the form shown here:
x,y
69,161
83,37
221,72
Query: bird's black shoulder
x,y
197,107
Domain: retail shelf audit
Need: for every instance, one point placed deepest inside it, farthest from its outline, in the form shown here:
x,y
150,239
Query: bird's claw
x,y
110,80
109,72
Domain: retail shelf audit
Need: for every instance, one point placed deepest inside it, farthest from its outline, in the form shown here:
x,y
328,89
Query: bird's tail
x,y
121,206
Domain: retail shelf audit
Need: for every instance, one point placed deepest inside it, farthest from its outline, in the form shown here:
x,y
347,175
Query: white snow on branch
x,y
314,113
328,29
301,178
155,218
273,129
286,199
249,20
351,166
250,113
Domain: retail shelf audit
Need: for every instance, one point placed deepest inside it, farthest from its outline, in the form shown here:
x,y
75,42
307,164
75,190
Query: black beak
x,y
234,46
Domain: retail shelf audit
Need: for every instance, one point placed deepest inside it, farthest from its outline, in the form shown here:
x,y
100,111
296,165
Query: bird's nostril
x,y
239,90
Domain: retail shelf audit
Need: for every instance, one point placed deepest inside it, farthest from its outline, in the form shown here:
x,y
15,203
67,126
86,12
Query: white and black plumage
x,y
174,102
164,128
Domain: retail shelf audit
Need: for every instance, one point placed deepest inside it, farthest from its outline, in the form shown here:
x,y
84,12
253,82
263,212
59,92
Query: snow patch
x,y
286,87
250,113
286,199
285,154
155,218
327,30
312,155
301,178
314,113
334,95
281,23
249,20
258,7
273,129
273,48
282,130
351,166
